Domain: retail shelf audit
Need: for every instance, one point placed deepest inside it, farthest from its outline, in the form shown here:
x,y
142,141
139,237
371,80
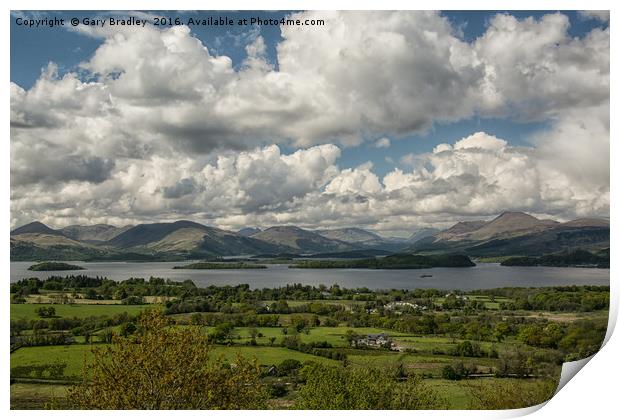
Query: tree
x,y
127,329
90,294
222,332
106,335
510,393
253,332
46,311
501,331
165,368
335,388
18,298
288,366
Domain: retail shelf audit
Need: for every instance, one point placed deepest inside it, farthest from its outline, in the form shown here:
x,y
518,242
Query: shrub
x,y
166,368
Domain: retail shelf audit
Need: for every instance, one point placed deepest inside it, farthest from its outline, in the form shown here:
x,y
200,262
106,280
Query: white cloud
x,y
363,73
535,70
157,126
477,176
382,143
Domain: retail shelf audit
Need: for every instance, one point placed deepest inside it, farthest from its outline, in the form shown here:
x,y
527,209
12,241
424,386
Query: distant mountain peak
x,y
35,227
514,215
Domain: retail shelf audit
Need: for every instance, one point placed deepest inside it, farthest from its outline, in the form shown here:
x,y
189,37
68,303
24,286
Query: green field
x,y
458,394
73,355
267,355
27,311
26,396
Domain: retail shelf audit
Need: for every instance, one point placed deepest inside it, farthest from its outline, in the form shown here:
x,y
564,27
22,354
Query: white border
x,y
591,395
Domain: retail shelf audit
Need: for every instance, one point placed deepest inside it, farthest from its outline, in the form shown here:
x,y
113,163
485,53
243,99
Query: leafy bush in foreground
x,y
166,368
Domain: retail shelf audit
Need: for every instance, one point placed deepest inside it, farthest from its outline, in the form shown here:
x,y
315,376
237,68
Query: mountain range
x,y
511,233
516,233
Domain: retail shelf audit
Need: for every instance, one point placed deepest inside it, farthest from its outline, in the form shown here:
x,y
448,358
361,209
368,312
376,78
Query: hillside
x,y
35,227
157,241
421,234
511,233
301,240
94,234
350,235
510,224
185,237
39,247
459,231
514,233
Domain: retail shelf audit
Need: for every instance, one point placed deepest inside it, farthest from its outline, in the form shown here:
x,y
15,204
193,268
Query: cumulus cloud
x,y
535,70
382,143
363,73
154,125
477,176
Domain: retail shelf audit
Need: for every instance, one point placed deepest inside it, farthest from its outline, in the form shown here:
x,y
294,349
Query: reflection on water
x,y
483,276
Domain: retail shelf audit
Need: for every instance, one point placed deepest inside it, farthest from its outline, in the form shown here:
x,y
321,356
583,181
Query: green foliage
x,y
127,329
54,266
457,371
515,362
133,300
289,367
46,311
467,349
18,298
396,261
583,338
221,332
510,393
220,266
166,368
53,370
541,336
578,257
329,388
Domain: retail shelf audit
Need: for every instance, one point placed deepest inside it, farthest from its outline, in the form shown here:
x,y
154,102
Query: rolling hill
x,y
514,233
93,234
35,227
300,240
185,237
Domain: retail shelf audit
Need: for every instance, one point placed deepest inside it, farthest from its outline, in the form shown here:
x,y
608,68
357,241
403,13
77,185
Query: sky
x,y
390,121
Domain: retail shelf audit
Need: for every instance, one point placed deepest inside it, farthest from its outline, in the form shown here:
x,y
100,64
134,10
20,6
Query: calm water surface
x,y
483,276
